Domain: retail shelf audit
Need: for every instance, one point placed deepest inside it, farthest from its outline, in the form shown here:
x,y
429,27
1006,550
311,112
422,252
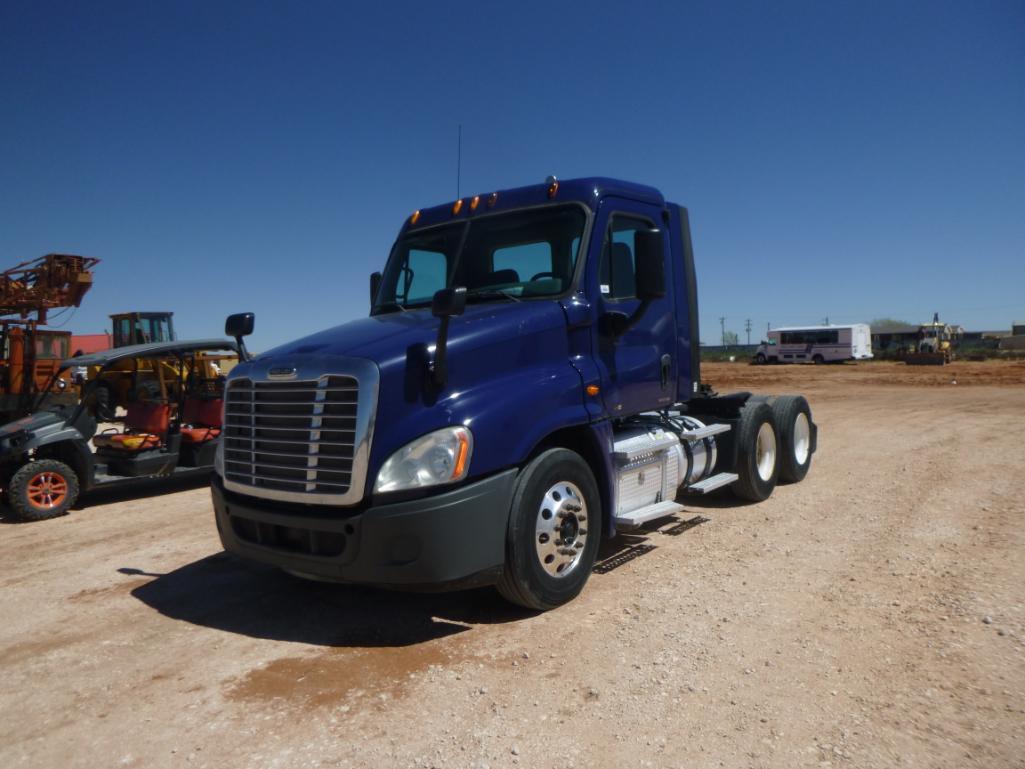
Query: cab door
x,y
638,366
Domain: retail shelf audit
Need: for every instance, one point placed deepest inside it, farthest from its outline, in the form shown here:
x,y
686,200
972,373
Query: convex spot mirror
x,y
375,286
448,302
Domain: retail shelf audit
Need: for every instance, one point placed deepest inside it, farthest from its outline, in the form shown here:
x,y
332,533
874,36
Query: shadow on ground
x,y
229,594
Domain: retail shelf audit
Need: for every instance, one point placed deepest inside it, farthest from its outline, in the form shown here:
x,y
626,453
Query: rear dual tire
x,y
793,419
757,452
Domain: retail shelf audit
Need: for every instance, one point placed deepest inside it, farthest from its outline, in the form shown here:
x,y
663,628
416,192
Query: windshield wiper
x,y
490,293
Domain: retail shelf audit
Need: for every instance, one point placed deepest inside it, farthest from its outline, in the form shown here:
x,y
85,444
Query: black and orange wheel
x,y
42,489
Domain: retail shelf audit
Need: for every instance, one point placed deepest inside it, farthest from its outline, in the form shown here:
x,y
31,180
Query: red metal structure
x,y
30,355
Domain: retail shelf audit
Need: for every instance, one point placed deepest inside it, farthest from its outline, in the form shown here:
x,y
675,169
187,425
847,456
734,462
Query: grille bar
x,y
309,410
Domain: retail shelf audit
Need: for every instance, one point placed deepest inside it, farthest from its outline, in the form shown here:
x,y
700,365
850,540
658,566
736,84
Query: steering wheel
x,y
544,275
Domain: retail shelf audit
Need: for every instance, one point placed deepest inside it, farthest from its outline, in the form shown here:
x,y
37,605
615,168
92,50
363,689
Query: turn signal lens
x,y
462,455
553,186
457,206
475,202
413,219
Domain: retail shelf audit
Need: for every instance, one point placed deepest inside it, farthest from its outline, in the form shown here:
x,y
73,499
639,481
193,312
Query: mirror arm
x,y
243,354
438,367
619,323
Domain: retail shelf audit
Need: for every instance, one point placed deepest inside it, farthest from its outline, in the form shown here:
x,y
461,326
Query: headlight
x,y
439,457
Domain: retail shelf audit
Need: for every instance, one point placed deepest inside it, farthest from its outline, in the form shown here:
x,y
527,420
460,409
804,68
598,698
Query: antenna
x,y
459,157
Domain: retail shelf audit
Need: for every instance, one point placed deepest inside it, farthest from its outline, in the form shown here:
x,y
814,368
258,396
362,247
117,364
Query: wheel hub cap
x,y
47,490
765,451
560,534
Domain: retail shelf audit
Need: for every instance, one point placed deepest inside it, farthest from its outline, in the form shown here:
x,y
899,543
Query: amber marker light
x,y
475,202
457,206
463,453
593,390
414,218
492,199
553,186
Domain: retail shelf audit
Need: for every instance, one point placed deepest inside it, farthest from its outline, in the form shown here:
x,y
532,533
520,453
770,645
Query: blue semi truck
x,y
526,384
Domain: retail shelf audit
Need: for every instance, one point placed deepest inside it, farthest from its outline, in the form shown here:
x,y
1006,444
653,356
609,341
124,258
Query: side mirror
x,y
649,264
448,302
237,326
375,286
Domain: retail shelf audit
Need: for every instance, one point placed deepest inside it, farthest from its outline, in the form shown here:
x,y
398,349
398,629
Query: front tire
x,y
554,530
793,418
42,489
760,359
757,452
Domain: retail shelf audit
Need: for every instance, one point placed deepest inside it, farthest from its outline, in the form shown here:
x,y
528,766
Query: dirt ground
x,y
871,616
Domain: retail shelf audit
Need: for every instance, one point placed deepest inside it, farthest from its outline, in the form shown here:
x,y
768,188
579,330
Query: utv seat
x,y
201,419
145,428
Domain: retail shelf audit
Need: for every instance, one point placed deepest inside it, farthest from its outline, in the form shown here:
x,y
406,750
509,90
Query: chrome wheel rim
x,y
560,534
765,451
802,438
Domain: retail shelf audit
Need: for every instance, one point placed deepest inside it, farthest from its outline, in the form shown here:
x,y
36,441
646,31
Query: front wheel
x,y
554,530
42,489
760,359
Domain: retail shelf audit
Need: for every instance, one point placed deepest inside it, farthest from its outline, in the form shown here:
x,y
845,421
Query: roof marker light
x,y
492,199
457,206
475,202
553,186
416,215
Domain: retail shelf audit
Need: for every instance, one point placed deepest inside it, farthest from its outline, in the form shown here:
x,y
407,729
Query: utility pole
x,y
722,326
747,327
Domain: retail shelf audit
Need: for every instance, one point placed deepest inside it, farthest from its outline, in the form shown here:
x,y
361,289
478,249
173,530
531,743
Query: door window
x,y
617,271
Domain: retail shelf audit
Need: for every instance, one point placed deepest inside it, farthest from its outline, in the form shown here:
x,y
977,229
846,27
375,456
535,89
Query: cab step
x,y
712,482
704,432
642,515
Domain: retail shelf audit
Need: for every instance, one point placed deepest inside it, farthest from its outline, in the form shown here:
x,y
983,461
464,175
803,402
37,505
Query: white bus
x,y
816,344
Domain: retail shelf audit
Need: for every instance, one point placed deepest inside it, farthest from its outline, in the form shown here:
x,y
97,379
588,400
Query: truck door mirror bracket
x,y
447,303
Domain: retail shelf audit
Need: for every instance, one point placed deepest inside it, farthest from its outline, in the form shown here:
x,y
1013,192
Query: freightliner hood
x,y
510,376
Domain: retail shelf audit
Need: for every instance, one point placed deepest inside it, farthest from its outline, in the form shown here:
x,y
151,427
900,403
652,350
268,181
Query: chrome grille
x,y
296,437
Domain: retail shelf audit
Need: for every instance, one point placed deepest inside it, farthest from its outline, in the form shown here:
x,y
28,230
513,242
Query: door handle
x,y
667,364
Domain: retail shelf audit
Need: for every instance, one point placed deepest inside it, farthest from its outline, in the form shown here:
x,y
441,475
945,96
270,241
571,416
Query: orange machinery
x,y
29,355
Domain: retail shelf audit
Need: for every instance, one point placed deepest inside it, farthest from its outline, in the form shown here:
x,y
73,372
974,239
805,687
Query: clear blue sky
x,y
849,160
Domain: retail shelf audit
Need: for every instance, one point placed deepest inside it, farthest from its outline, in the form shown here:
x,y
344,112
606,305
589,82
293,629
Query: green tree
x,y
882,325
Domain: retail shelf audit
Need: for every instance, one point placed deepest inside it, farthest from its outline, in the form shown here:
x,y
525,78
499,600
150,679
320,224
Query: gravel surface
x,y
871,616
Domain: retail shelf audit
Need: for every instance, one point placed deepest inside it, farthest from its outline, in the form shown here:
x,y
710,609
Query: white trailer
x,y
816,344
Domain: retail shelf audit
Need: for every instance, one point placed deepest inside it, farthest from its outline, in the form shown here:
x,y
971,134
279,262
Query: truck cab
x,y
526,383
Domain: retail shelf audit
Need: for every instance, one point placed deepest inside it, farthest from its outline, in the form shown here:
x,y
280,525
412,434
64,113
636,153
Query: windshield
x,y
521,254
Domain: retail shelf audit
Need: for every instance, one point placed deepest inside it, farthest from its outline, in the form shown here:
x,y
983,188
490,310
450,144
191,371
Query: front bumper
x,y
453,539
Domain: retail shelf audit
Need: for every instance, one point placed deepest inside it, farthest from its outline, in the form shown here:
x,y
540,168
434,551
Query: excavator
x,y
31,355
